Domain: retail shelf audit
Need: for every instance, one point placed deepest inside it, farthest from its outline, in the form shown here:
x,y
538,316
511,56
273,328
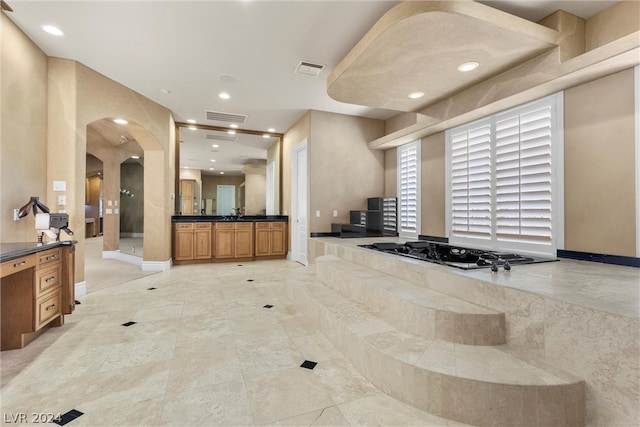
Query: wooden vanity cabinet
x,y
233,241
37,291
192,241
271,239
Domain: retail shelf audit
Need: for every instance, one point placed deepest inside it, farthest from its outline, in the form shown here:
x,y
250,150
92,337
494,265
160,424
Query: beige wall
x,y
23,135
599,140
391,173
343,171
300,131
612,23
255,181
48,105
432,190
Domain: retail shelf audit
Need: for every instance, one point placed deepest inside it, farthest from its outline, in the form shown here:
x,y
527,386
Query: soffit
x,y
417,46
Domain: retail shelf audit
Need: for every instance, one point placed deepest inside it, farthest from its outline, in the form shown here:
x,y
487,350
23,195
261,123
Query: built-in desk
x,y
37,289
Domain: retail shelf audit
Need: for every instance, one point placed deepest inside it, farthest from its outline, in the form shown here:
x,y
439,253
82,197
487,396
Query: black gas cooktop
x,y
455,256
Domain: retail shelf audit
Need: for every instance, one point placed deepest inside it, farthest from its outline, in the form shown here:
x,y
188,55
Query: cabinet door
x,y
187,191
202,244
223,242
278,238
183,245
243,239
263,241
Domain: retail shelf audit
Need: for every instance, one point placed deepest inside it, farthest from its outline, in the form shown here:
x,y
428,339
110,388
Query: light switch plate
x,y
59,185
335,214
62,200
109,211
317,214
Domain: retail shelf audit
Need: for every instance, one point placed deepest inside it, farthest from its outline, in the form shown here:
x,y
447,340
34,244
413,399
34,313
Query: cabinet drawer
x,y
278,225
183,226
47,279
47,308
244,226
224,225
48,257
18,264
203,225
262,225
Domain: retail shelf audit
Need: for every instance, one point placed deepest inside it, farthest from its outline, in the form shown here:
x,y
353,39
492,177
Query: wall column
x,y
111,204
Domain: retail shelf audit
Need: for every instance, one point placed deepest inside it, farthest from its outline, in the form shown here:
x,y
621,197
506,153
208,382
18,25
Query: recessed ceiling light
x,y
266,135
416,95
224,95
468,66
190,121
233,125
271,130
215,146
212,169
135,157
221,173
213,160
193,128
167,91
120,121
227,78
231,132
53,30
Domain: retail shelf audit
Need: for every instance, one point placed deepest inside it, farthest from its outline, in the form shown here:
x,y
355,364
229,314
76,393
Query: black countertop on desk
x,y
229,218
15,250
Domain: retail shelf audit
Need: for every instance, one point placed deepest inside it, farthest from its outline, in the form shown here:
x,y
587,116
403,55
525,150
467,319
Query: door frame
x,y
298,192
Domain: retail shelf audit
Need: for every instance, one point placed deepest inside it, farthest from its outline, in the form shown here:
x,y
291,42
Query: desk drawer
x,y
47,308
47,279
46,258
18,264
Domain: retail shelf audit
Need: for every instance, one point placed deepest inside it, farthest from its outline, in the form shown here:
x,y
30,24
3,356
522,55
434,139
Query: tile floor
x,y
203,351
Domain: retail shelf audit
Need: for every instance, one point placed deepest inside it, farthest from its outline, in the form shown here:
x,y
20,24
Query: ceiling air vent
x,y
225,117
309,69
228,138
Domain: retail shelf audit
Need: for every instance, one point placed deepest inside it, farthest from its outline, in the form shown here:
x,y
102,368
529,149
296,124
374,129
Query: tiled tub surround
x,y
479,385
577,316
415,309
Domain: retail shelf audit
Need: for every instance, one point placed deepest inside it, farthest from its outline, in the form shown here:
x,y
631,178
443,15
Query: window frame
x,y
555,102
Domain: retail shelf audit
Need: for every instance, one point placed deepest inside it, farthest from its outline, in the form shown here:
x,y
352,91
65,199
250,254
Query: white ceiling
x,y
186,46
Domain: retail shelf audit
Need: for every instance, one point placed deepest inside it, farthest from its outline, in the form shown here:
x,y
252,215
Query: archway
x,y
119,150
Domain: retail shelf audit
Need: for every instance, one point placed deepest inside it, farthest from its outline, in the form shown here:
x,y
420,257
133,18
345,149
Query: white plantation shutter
x,y
471,182
523,176
409,189
505,179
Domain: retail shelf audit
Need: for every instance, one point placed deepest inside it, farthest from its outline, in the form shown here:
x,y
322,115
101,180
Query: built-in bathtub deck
x,y
565,322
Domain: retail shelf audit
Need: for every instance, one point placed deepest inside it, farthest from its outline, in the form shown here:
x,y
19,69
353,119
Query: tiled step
x,y
411,308
479,385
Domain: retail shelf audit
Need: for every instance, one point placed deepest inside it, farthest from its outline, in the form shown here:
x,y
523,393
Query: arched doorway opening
x,y
122,196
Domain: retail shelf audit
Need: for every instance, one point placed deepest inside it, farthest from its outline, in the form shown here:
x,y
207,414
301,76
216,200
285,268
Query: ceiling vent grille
x,y
228,138
225,117
309,69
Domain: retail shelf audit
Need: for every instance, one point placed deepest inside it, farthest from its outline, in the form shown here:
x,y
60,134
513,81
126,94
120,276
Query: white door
x,y
226,202
299,203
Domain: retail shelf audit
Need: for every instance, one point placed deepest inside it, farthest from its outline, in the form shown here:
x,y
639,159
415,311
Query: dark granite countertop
x,y
229,218
15,250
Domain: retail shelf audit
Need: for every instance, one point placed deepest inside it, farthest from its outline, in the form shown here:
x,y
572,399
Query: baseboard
x,y
131,234
156,265
80,288
627,261
117,255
